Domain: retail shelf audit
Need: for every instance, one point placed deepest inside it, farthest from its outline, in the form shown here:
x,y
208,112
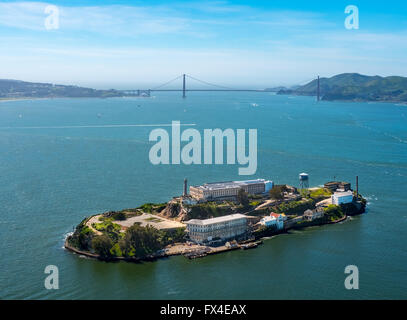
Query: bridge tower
x,y
318,92
183,85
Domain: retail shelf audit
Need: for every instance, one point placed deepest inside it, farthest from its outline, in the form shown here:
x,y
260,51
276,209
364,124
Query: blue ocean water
x,y
61,160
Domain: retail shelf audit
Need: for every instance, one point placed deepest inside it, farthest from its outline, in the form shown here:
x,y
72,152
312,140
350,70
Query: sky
x,y
240,44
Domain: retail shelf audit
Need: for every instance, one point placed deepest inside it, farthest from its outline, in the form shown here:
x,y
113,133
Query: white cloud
x,y
142,20
25,15
134,67
287,47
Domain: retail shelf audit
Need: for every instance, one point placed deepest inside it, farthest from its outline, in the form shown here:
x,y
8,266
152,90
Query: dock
x,y
203,252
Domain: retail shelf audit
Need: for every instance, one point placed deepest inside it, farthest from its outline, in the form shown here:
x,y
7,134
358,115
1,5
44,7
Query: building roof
x,y
268,218
343,194
229,217
334,183
229,184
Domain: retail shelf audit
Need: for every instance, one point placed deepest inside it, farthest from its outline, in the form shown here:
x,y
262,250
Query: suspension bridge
x,y
183,89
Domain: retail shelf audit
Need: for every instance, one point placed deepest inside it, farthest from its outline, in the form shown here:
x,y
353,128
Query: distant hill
x,y
21,89
281,88
276,89
355,87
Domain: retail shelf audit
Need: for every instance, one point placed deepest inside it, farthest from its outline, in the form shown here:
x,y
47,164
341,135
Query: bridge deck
x,y
250,90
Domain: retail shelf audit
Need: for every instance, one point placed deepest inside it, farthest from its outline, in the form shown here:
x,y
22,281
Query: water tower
x,y
304,181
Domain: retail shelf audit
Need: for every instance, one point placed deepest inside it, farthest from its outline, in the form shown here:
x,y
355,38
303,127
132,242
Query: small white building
x,y
274,219
342,197
268,221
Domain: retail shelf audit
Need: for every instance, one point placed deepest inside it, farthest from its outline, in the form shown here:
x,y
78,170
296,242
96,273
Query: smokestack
x,y
357,187
185,188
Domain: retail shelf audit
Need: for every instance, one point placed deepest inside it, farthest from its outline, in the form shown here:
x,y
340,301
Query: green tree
x,y
277,192
84,237
102,245
140,241
119,216
242,197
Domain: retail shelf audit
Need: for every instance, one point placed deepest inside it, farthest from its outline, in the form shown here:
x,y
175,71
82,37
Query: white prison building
x,y
226,227
228,190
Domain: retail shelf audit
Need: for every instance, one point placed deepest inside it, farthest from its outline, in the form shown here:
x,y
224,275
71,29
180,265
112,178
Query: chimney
x,y
357,187
185,188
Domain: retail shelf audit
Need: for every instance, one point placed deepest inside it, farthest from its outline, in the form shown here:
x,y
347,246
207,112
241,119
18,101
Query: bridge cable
x,y
208,83
164,84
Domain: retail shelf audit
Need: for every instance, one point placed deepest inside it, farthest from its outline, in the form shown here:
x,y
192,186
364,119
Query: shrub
x,y
333,212
102,245
208,210
141,241
174,235
112,230
277,192
116,251
295,207
84,238
242,198
320,194
119,216
147,207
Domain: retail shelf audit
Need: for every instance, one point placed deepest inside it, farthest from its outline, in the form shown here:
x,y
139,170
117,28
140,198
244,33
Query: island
x,y
213,218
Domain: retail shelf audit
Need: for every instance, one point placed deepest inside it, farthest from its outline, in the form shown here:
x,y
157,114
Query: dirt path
x,y
265,204
94,219
149,219
325,202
